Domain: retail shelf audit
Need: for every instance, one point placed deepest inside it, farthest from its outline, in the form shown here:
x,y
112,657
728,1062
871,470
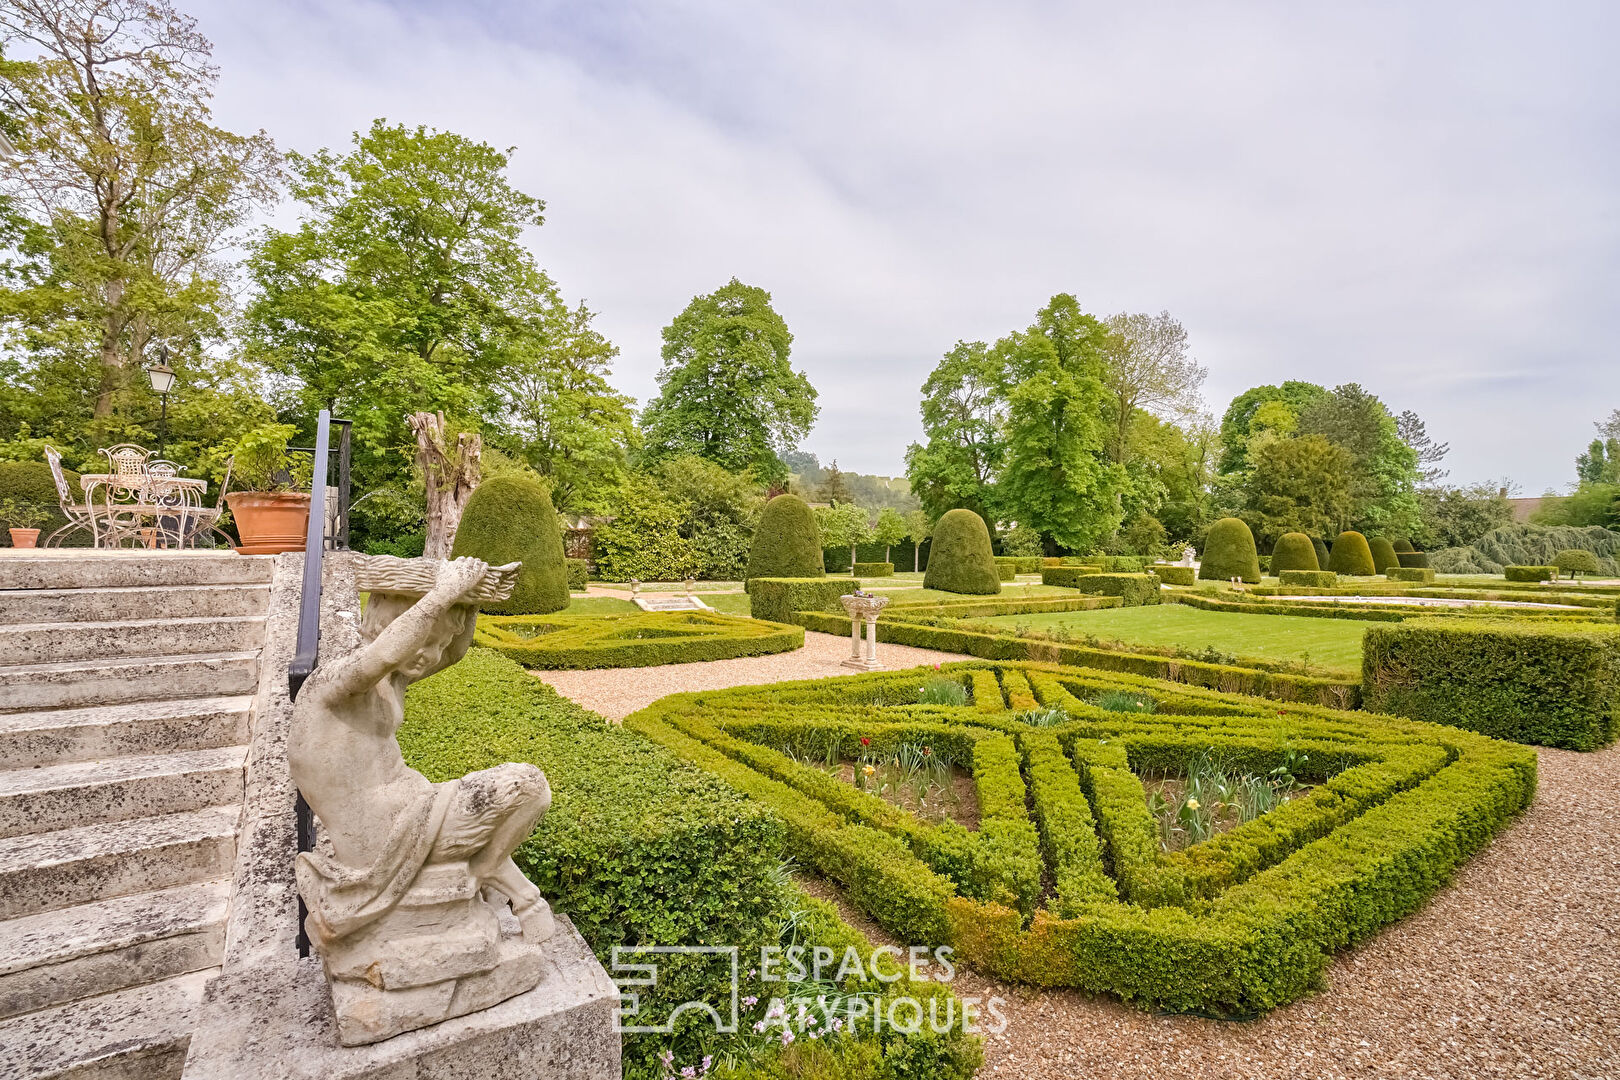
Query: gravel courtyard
x,y
1512,971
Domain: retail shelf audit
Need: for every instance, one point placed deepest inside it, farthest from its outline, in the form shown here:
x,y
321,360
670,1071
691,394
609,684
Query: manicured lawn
x,y
1332,643
912,595
599,605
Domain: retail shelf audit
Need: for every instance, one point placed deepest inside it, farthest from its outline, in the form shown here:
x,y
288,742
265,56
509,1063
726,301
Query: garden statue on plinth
x,y
863,606
409,888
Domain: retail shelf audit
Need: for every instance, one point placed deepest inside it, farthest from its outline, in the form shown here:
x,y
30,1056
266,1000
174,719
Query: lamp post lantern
x,y
162,378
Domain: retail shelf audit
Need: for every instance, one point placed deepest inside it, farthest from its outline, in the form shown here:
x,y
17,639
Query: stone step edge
x,y
83,1034
27,942
128,712
83,843
114,664
199,621
105,772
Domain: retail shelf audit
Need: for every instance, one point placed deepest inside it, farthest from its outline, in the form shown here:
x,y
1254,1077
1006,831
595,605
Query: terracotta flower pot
x,y
24,538
270,522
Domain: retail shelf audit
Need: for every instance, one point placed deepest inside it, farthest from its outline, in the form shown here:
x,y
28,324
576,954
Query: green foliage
x,y
1553,684
1318,579
1352,556
889,530
1408,573
787,541
1297,485
579,574
1293,551
686,517
510,518
1175,575
874,569
1589,504
1238,423
1321,548
1229,552
1243,923
1457,516
263,464
1383,554
19,514
1574,561
960,559
1018,564
1413,559
1529,573
1403,546
727,391
1132,589
29,483
963,409
1383,468
844,525
1006,571
1022,542
1529,545
776,599
644,639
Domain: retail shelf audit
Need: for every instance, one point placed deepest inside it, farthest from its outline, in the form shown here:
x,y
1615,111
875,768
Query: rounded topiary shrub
x,y
960,560
1293,552
1383,554
510,519
1403,546
1321,551
1352,556
1574,561
1229,552
787,541
30,482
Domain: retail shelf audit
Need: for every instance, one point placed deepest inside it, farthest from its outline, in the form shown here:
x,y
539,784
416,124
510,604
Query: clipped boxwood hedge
x,y
787,541
1175,575
1549,683
1238,925
1408,573
960,559
1315,579
1352,556
510,518
776,599
579,575
1293,551
873,569
644,639
1229,552
1414,560
1133,590
1383,554
1021,564
1322,557
1005,571
1529,573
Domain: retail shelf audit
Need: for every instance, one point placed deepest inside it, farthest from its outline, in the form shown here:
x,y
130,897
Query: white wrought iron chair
x,y
204,520
79,515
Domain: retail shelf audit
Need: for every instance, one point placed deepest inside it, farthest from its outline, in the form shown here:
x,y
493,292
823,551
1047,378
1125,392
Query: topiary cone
x,y
1294,551
960,560
1383,554
1352,556
787,541
1229,552
1403,546
1321,552
510,518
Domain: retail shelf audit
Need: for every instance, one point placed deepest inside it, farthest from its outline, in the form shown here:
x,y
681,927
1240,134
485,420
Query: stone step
x,y
141,727
131,602
54,797
78,684
49,643
135,1034
58,736
81,569
50,871
80,952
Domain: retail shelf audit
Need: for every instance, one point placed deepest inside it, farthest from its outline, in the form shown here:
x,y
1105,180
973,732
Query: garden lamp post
x,y
162,377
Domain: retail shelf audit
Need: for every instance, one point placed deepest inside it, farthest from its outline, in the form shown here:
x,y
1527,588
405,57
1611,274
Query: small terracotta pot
x,y
24,538
270,522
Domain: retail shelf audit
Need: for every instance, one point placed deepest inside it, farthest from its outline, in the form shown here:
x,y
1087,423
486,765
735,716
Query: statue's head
x,y
451,634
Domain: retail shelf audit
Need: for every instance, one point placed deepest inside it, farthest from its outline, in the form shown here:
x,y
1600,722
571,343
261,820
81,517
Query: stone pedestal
x,y
863,609
277,1023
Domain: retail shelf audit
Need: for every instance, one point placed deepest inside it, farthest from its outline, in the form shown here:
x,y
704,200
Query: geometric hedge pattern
x,y
640,640
1064,883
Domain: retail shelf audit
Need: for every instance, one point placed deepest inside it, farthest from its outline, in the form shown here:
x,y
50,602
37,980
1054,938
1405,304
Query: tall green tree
x,y
1383,470
843,525
1240,415
1298,485
406,285
1057,478
1147,367
963,409
727,391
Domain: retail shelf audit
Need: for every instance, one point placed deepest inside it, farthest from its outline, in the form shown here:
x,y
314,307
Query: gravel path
x,y
1512,971
618,692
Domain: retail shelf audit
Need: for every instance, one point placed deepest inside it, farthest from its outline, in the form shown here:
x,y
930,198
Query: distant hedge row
x,y
644,639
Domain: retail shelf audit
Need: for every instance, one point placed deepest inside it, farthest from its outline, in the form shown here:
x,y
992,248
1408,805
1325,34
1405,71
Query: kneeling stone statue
x,y
409,889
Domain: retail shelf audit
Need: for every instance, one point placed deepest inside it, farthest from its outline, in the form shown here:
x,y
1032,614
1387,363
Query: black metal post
x,y
309,623
163,424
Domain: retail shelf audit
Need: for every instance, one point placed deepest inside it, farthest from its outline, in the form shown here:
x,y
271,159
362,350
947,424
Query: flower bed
x,y
640,640
1236,925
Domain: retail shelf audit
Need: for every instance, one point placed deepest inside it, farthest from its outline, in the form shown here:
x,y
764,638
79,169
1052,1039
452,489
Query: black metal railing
x,y
316,541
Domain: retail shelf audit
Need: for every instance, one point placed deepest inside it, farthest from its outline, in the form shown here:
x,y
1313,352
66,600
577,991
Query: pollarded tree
x,y
727,391
889,530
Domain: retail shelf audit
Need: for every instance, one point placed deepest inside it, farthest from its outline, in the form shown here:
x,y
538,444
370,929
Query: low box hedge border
x,y
1267,605
1316,579
1551,684
1133,589
873,569
1411,804
1021,564
1175,575
1409,573
1006,571
990,606
644,639
1414,560
776,599
1530,573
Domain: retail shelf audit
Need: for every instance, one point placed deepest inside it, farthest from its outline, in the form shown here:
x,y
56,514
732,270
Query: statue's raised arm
x,y
409,887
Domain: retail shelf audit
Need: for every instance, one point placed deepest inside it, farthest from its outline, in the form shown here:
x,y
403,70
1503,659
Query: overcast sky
x,y
1421,197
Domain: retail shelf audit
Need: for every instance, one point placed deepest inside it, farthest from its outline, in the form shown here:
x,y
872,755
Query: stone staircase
x,y
127,682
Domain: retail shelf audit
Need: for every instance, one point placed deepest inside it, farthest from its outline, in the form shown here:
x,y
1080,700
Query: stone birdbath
x,y
863,607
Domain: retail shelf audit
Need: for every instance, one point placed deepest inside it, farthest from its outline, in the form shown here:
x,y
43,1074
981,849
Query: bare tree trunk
x,y
449,473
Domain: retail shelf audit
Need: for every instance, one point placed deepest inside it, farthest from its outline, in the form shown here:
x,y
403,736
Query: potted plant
x,y
271,513
23,519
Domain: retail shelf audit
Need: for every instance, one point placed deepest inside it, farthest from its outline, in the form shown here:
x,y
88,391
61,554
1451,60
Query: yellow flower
x,y
868,770
1192,804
